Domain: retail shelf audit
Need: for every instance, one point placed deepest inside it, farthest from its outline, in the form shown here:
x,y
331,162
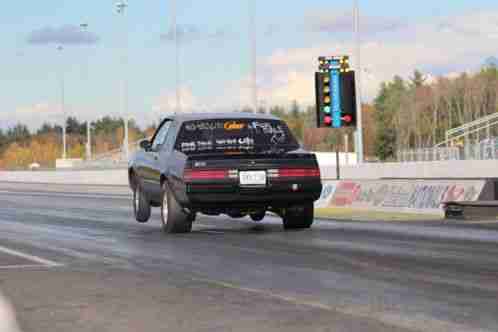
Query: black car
x,y
234,164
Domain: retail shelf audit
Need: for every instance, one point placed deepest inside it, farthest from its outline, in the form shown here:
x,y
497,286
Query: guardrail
x,y
473,127
429,154
484,150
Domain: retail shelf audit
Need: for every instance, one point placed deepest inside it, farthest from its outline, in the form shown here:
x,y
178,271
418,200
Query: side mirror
x,y
145,145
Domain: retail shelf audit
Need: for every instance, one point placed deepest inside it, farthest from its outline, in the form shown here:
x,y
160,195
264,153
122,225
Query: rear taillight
x,y
209,174
294,173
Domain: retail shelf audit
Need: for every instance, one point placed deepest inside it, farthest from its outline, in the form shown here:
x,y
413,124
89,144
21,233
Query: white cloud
x,y
343,22
64,35
442,46
188,33
477,24
437,48
165,104
34,116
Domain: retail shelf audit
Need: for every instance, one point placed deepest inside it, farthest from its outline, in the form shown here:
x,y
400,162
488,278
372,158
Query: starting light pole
x,y
335,97
335,93
359,120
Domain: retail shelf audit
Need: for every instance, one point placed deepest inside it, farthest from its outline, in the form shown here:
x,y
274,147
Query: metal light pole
x,y
178,106
359,131
121,9
61,82
253,37
84,27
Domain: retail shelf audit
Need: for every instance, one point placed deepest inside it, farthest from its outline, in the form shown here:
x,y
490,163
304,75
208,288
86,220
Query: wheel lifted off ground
x,y
173,218
141,206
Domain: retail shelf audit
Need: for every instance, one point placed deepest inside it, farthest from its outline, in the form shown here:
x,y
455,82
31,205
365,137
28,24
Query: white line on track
x,y
20,267
202,228
32,258
398,320
68,195
210,232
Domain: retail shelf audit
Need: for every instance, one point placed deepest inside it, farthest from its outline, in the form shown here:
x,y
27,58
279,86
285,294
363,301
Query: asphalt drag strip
x,y
114,274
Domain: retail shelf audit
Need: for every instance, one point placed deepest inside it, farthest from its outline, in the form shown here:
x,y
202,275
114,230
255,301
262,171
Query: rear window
x,y
229,135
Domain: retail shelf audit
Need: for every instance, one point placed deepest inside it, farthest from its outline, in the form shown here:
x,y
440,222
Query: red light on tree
x,y
327,120
347,118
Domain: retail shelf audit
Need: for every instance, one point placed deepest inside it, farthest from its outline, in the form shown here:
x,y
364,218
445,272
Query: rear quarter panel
x,y
174,167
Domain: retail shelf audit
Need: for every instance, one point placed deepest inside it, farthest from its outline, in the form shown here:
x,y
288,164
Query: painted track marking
x,y
36,259
210,232
63,195
366,313
22,266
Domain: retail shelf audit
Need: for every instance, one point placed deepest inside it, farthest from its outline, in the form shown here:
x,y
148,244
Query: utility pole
x,y
84,27
359,131
63,111
337,163
121,9
254,59
178,106
346,147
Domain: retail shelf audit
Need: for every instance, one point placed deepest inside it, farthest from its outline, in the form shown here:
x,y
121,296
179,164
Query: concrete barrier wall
x,y
330,158
417,196
422,170
105,177
411,196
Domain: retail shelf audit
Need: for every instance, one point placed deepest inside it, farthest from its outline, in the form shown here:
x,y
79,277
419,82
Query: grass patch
x,y
364,215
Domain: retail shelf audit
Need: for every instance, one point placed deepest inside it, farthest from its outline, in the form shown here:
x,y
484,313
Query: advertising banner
x,y
418,196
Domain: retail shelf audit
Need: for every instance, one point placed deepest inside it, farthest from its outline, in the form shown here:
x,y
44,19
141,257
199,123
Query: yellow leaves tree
x,y
369,130
17,156
150,131
42,149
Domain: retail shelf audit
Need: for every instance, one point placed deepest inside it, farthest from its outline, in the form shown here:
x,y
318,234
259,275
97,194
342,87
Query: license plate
x,y
253,178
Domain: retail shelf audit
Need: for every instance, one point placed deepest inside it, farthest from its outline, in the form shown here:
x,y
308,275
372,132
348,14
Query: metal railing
x,y
108,160
429,154
484,150
474,127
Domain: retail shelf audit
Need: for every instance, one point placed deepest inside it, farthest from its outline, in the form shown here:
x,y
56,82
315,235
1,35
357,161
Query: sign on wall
x,y
426,196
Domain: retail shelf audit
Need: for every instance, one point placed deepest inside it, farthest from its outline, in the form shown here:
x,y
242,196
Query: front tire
x,y
259,216
141,206
299,217
173,218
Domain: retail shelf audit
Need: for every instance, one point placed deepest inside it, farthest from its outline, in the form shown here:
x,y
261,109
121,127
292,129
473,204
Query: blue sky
x,y
215,64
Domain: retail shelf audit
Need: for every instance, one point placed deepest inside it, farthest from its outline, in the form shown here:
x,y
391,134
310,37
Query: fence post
x,y
495,148
337,164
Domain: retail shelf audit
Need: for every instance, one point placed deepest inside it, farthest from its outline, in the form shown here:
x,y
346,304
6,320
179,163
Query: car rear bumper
x,y
276,195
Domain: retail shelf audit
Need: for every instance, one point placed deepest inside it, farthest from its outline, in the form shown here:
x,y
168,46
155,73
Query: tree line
x,y
416,113
19,147
406,114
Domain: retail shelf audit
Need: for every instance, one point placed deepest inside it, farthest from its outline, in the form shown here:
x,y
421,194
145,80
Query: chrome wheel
x,y
141,206
136,199
173,218
165,207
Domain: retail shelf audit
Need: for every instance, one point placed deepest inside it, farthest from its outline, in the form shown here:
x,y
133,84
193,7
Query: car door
x,y
169,162
174,164
152,162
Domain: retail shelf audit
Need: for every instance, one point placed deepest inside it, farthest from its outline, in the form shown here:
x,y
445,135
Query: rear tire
x,y
299,217
173,218
141,206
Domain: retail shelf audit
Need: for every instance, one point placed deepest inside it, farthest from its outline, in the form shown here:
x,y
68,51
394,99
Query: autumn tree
x,y
388,117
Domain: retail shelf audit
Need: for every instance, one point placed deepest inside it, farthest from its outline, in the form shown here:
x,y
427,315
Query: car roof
x,y
216,116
